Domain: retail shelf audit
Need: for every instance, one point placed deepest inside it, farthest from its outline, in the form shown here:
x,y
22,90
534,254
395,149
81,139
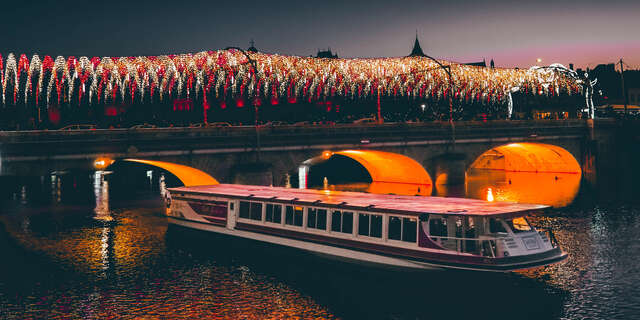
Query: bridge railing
x,y
27,143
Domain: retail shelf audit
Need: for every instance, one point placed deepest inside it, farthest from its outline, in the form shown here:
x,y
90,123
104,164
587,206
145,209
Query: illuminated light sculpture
x,y
225,75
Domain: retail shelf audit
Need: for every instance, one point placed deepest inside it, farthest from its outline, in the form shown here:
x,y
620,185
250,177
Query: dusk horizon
x,y
584,33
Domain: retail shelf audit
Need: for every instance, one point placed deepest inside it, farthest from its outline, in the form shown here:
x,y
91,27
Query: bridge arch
x,y
369,170
528,157
525,172
187,175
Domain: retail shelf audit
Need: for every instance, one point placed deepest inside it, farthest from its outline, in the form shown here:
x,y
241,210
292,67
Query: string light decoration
x,y
226,74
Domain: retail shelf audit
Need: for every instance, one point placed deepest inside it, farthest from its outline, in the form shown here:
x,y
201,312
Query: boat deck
x,y
365,201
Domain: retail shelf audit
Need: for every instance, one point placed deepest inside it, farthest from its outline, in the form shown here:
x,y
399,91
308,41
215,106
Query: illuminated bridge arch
x,y
187,175
528,157
376,171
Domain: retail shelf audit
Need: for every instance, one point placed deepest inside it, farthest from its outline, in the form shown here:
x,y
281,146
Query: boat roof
x,y
412,205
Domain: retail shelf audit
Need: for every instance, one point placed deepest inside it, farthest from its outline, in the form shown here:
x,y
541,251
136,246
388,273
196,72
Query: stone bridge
x,y
266,154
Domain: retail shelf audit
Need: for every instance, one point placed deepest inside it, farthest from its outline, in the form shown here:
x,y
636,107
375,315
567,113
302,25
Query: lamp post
x,y
447,69
255,105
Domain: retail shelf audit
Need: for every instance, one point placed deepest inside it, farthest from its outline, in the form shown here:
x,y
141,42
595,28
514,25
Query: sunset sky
x,y
514,34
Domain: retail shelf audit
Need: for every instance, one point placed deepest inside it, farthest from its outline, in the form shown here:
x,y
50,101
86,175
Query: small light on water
x,y
489,195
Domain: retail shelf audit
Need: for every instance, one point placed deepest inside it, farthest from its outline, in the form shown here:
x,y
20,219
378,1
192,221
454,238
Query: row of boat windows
x,y
370,225
472,227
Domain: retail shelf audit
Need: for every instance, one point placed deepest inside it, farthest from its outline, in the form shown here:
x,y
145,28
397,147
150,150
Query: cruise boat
x,y
389,230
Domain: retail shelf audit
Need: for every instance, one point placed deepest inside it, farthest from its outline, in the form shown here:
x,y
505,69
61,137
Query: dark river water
x,y
97,246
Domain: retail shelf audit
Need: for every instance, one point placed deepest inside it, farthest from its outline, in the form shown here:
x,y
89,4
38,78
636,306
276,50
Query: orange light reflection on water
x,y
554,189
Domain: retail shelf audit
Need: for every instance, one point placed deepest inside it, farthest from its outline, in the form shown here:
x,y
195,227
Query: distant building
x,y
326,54
482,63
252,47
604,69
417,50
608,82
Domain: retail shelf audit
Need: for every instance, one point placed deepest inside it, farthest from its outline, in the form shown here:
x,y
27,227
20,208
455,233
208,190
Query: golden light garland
x,y
228,74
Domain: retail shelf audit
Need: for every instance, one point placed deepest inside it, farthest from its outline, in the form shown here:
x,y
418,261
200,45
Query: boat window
x,y
376,226
288,219
347,222
268,212
342,221
322,219
317,218
409,229
273,213
311,217
256,211
438,227
363,224
297,216
395,228
336,221
404,229
370,225
244,209
519,225
470,230
458,226
495,226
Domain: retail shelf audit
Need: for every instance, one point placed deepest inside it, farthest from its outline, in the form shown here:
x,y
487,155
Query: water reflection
x,y
554,189
131,266
490,195
56,194
101,192
62,260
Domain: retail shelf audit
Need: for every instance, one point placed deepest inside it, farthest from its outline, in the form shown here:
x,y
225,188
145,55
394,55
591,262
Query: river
x,y
97,246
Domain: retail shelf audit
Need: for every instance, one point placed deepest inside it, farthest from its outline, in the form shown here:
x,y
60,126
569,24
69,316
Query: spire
x,y
417,50
252,47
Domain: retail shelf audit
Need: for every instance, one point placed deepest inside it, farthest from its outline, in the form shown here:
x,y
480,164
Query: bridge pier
x,y
252,173
449,169
589,152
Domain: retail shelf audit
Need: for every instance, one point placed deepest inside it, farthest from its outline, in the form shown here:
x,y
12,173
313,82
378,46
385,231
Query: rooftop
x,y
417,50
370,202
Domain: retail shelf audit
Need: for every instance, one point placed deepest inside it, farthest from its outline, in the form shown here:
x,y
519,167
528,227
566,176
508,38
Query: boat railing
x,y
483,246
547,235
